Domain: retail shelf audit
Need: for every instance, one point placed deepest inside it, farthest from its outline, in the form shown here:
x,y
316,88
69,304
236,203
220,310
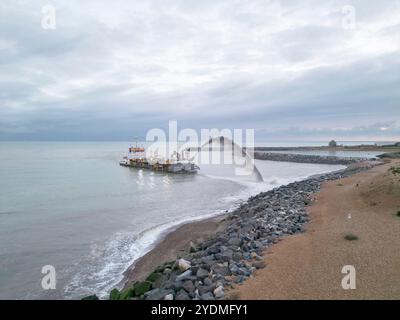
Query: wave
x,y
107,263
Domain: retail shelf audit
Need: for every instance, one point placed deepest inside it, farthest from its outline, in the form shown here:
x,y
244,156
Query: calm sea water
x,y
70,205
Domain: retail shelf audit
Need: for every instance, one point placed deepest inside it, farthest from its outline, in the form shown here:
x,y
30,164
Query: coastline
x,y
178,242
309,265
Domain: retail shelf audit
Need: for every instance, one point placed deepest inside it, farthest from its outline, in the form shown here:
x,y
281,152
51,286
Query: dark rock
x,y
202,273
182,295
235,241
184,276
207,296
207,281
227,255
157,294
205,289
188,286
221,270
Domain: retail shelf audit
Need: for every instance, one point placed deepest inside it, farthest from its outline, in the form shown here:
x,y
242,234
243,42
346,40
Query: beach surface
x,y
309,265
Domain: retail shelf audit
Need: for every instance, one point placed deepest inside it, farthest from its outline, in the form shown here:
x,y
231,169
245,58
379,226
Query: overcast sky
x,y
111,70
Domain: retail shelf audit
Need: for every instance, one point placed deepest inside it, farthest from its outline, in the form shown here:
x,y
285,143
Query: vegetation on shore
x,y
350,237
395,170
138,289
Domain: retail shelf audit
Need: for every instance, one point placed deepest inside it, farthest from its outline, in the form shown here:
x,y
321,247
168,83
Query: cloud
x,y
110,72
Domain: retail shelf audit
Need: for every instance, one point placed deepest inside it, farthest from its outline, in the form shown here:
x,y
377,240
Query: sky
x,y
112,70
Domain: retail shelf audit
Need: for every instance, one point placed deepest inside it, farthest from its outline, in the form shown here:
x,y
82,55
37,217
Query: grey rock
x,y
207,296
188,286
184,276
221,270
202,273
157,294
204,289
207,281
235,241
227,255
182,295
177,285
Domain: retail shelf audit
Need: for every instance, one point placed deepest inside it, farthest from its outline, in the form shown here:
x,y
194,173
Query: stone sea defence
x,y
303,158
231,256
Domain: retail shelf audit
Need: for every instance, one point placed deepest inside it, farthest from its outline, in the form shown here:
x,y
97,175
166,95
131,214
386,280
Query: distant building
x,y
332,144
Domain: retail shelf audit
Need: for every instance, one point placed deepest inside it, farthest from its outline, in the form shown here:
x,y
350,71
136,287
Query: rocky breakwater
x,y
304,158
230,257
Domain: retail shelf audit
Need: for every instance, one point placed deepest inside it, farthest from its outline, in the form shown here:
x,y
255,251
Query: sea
x,y
71,206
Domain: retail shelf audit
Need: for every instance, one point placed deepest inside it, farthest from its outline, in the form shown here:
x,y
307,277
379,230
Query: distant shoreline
x,y
366,147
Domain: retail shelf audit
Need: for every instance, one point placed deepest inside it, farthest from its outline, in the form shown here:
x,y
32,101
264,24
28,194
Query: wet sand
x,y
309,265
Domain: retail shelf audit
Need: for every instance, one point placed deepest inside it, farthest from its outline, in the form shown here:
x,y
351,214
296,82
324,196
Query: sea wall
x,y
301,158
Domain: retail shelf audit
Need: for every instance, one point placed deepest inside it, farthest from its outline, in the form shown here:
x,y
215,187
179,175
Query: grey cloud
x,y
113,71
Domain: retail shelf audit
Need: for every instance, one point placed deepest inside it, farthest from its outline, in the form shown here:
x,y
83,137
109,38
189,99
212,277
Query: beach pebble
x,y
204,289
